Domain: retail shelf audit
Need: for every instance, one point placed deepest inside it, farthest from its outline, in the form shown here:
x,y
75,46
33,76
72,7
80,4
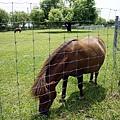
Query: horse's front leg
x,y
64,86
96,75
80,86
91,78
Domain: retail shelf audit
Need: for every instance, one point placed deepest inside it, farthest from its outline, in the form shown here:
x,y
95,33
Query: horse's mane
x,y
58,50
40,80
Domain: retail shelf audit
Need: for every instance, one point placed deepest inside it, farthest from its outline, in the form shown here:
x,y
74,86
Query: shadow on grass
x,y
73,105
58,32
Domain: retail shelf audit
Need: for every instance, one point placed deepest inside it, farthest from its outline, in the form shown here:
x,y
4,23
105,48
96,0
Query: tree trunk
x,y
68,26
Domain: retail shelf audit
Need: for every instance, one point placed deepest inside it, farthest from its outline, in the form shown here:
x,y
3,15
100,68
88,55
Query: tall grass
x,y
21,57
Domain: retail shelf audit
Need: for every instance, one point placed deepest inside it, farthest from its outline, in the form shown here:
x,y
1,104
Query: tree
x,y
111,22
81,11
47,5
4,18
85,12
67,17
55,16
37,15
19,17
101,21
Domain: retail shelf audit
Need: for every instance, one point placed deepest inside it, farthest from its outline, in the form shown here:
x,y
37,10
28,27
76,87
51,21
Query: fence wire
x,y
23,55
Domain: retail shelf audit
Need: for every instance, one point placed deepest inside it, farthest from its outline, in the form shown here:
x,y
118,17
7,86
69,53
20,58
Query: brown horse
x,y
73,58
17,29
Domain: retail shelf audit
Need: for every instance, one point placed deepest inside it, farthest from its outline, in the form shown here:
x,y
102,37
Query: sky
x,y
109,8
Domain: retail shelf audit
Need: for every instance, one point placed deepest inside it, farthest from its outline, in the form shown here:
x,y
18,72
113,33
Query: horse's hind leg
x,y
64,86
91,77
80,86
96,75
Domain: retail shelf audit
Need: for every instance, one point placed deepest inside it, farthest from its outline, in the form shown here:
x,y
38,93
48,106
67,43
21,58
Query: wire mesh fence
x,y
23,55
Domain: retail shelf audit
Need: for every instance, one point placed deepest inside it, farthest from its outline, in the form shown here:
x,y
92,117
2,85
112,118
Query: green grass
x,y
16,78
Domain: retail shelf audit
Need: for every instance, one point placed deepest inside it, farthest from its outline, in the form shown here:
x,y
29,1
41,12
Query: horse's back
x,y
93,42
89,42
86,54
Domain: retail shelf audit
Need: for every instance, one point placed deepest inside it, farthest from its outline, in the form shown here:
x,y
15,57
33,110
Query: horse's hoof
x,y
62,100
45,113
95,86
81,97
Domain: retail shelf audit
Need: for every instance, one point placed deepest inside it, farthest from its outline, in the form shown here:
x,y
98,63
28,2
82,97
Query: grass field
x,y
21,57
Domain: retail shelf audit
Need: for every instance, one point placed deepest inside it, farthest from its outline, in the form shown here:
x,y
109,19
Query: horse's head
x,y
45,91
46,97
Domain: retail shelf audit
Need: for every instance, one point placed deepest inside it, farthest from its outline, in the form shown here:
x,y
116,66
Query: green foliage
x,y
19,17
37,15
4,17
55,15
47,5
84,11
111,22
101,21
67,14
